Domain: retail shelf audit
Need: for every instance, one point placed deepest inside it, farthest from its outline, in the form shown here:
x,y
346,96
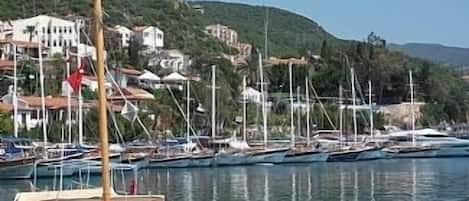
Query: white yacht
x,y
442,144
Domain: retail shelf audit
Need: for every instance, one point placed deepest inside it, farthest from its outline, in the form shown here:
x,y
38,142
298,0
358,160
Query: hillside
x,y
435,52
288,33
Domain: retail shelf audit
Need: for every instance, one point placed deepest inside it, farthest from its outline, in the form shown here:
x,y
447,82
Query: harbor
x,y
403,179
188,101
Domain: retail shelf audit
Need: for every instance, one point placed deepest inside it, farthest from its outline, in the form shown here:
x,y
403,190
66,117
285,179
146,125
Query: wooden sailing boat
x,y
298,153
414,150
16,165
225,156
266,154
349,153
105,193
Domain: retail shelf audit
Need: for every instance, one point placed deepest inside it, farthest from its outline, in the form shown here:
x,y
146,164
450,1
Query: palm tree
x,y
31,30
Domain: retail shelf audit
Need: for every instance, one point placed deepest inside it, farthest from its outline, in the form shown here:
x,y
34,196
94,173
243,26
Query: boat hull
x,y
44,170
447,152
344,156
179,162
305,157
19,169
427,153
373,154
230,159
267,156
202,161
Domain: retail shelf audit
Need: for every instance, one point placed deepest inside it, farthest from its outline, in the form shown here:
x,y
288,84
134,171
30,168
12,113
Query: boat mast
x,y
264,113
308,137
370,103
244,109
341,114
99,44
292,128
298,111
412,115
80,98
188,121
354,109
15,89
214,130
43,100
69,101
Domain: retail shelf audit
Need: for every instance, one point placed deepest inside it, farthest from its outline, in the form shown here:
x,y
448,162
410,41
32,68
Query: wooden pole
x,y
99,44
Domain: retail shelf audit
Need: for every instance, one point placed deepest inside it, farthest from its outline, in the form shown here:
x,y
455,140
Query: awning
x,y
149,76
175,77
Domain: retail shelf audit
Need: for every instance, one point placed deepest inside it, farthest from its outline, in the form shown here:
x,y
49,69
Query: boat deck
x,y
112,199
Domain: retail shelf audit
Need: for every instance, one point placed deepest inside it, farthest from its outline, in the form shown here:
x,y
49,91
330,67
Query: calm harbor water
x,y
405,179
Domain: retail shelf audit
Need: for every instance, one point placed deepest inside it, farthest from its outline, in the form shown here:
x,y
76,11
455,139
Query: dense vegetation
x,y
289,35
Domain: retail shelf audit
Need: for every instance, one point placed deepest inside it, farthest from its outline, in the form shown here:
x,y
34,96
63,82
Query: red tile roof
x,y
132,93
23,44
129,71
50,102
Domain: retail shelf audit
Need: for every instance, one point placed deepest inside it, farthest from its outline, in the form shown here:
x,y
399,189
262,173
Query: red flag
x,y
74,80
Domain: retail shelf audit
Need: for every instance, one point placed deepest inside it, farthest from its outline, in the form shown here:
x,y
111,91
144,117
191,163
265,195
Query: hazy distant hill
x,y
435,52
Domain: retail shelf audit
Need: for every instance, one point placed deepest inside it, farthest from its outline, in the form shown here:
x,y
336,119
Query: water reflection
x,y
407,180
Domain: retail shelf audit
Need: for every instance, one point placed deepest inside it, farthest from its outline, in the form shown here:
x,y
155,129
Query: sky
x,y
443,22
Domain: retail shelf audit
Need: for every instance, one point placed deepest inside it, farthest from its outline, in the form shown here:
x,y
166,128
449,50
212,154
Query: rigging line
x,y
361,98
90,61
182,111
322,106
118,88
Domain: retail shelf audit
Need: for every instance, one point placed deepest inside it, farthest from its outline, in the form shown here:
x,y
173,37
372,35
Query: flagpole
x,y
99,44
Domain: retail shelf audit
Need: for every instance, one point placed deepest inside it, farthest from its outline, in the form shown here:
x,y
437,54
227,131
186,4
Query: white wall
x,y
125,34
54,33
153,38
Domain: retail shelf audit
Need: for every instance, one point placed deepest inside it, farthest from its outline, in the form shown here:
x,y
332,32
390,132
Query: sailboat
x,y
199,158
413,150
265,154
349,153
228,155
105,193
15,162
302,154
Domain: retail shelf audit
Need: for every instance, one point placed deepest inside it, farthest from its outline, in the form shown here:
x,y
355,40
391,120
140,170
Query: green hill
x,y
288,33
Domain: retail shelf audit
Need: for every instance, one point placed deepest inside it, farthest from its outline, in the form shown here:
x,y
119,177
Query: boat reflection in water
x,y
403,179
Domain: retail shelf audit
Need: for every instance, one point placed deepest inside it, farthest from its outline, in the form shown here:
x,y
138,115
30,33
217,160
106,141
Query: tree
x,y
31,30
134,52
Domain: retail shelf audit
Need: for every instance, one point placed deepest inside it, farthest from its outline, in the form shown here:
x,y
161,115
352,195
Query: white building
x,y
175,61
125,34
152,37
54,33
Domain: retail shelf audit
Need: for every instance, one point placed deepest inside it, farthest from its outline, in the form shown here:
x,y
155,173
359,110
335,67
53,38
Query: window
x,y
146,34
43,29
160,36
55,29
60,43
55,43
48,43
70,42
69,30
60,29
